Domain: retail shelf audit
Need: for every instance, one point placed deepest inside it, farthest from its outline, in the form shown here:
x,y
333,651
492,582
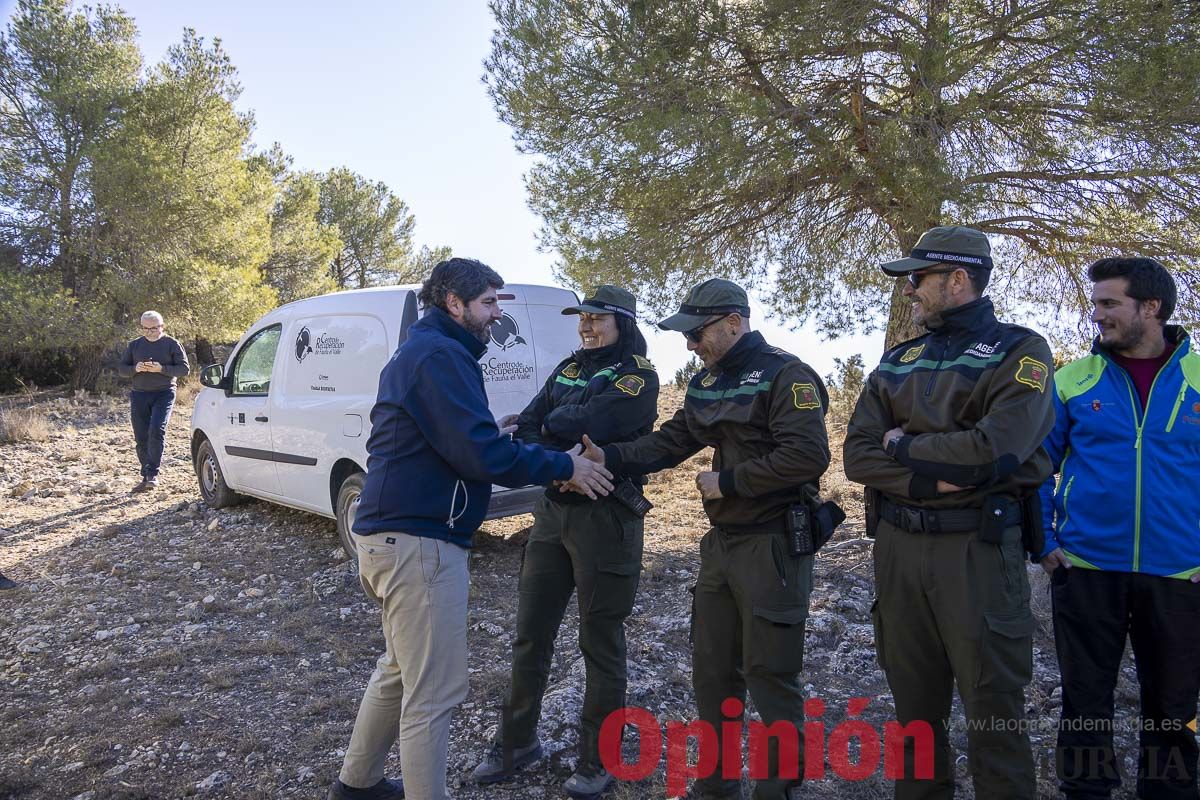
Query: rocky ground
x,y
161,649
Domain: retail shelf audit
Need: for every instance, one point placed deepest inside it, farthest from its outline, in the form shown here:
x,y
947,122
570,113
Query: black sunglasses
x,y
915,278
696,334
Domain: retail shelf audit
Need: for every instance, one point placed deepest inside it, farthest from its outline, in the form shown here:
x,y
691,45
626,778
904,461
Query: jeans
x,y
150,413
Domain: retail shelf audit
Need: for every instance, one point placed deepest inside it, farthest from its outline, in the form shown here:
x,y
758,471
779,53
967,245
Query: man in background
x,y
155,361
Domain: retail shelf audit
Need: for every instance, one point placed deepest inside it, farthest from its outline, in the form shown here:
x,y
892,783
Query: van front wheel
x,y
213,489
347,508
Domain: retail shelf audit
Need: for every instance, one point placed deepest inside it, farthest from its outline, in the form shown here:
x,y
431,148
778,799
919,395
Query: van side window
x,y
252,369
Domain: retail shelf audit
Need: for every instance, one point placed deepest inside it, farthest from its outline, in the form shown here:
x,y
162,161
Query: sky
x,y
393,90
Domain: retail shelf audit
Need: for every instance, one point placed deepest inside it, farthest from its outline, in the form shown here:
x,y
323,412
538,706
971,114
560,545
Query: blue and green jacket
x,y
1127,499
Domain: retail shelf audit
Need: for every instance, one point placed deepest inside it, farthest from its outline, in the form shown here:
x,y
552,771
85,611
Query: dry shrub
x,y
22,425
186,390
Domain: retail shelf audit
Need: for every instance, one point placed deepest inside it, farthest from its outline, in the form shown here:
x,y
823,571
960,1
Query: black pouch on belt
x,y
871,498
1033,532
993,519
630,496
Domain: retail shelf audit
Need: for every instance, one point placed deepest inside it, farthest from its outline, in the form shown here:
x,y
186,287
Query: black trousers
x,y
1094,611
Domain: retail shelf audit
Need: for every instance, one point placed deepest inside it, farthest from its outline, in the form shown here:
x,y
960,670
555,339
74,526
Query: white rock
x,y
209,599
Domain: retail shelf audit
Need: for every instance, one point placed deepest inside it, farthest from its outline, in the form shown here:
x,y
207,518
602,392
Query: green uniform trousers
x,y
952,609
594,549
751,603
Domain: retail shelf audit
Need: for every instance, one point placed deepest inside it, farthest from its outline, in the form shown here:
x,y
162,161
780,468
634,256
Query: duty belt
x,y
941,520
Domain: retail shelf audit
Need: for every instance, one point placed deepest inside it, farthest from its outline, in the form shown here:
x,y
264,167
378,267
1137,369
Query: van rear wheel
x,y
213,489
347,509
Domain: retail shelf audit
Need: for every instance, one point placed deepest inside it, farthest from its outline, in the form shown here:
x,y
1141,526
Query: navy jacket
x,y
434,450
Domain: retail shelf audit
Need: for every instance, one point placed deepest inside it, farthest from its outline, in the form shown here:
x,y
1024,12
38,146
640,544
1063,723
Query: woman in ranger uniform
x,y
609,391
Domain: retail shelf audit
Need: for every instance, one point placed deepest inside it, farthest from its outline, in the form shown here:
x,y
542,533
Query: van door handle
x,y
260,419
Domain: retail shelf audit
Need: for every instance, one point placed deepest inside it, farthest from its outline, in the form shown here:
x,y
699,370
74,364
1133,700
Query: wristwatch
x,y
890,447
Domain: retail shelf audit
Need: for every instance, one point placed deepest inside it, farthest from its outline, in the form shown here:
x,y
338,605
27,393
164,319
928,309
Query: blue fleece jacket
x,y
434,450
1127,498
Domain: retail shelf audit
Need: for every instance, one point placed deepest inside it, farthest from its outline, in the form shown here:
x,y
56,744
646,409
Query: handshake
x,y
589,477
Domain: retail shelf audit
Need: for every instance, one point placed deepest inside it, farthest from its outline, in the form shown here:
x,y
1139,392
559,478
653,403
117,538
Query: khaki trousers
x,y
421,584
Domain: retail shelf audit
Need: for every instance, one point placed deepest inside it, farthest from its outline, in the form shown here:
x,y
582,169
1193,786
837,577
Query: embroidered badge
x,y
804,395
708,380
631,384
911,354
1032,372
1196,407
1096,405
571,370
642,363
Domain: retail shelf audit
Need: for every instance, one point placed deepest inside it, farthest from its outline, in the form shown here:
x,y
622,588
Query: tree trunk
x,y
85,367
204,353
900,325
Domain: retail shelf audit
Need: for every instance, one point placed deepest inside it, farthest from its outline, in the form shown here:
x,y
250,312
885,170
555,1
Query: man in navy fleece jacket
x,y
433,455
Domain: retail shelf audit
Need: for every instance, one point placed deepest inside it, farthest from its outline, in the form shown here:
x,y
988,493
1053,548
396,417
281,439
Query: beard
x,y
1123,337
477,326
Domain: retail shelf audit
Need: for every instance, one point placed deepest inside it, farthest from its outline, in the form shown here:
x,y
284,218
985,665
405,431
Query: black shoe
x,y
384,790
7,583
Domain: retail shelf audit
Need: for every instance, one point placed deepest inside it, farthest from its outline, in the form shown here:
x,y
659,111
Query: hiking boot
x,y
587,785
384,790
492,769
7,583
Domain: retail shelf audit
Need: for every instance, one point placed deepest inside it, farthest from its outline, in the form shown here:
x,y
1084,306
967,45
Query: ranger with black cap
x,y
606,390
763,410
947,437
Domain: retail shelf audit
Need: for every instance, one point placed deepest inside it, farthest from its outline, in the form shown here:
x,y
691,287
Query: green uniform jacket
x,y
972,399
610,402
763,410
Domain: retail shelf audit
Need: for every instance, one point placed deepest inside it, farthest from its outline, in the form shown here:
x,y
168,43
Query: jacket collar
x,y
438,320
740,354
968,317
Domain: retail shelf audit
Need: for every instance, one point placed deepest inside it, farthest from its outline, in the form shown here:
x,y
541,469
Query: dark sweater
x,y
165,351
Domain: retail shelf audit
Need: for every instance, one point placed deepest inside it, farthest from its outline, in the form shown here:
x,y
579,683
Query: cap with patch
x,y
607,299
949,244
714,296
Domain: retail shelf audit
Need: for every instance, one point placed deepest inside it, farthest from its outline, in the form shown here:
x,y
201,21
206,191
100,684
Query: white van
x,y
287,417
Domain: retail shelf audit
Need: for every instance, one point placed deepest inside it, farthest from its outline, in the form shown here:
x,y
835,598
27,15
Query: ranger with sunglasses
x,y
763,410
947,437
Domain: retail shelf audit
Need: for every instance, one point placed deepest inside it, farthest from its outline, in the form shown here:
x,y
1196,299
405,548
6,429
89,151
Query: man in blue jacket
x,y
1122,542
432,457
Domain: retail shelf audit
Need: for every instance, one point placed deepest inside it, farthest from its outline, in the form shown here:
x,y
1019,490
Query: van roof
x,y
349,299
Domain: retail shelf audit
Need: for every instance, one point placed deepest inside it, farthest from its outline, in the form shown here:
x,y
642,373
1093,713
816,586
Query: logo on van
x,y
303,344
505,333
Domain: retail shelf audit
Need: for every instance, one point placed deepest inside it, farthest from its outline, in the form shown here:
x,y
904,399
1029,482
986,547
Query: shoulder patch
x,y
631,384
571,370
804,395
1032,372
708,380
912,353
642,363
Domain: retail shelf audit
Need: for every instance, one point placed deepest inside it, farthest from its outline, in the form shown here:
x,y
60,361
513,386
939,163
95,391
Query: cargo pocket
x,y
1006,650
615,590
776,643
877,624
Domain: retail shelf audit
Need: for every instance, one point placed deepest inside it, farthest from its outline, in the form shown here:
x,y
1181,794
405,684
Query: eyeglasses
x,y
151,328
915,278
696,334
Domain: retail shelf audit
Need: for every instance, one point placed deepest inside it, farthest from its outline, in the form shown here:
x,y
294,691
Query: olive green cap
x,y
714,296
607,299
